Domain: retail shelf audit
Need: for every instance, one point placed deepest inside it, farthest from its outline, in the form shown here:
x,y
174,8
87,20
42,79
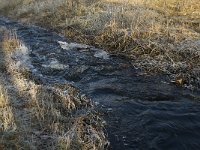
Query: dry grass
x,y
3,98
41,116
10,41
7,120
159,36
154,34
8,123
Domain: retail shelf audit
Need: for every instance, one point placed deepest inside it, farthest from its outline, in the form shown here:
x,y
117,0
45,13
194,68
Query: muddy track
x,y
142,112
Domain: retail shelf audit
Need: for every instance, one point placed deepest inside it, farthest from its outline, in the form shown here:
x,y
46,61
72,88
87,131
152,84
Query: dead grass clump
x,y
6,7
8,127
177,8
63,115
10,41
7,120
3,98
49,116
61,110
87,132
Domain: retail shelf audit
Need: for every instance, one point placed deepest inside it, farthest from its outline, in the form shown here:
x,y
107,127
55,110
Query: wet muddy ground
x,y
141,112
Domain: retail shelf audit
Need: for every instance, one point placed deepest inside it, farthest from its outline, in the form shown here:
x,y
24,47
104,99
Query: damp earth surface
x,y
140,111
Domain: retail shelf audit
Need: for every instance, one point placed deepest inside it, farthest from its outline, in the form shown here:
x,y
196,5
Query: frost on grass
x,y
50,116
21,56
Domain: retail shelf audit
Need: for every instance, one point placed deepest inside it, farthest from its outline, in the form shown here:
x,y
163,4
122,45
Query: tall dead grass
x,y
7,120
149,32
41,116
11,41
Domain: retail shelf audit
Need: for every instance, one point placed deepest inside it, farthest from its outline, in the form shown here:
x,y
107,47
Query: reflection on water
x,y
142,112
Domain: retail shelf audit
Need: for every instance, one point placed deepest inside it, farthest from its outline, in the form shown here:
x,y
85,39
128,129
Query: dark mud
x,y
142,112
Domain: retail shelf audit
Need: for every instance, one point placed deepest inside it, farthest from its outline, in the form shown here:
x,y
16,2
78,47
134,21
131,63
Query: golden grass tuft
x,y
3,98
10,41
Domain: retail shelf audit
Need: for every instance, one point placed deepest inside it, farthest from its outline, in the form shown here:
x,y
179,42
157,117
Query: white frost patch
x,y
101,54
21,56
98,52
54,64
68,46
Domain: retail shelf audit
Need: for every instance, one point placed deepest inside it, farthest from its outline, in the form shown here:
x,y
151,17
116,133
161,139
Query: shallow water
x,y
142,112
